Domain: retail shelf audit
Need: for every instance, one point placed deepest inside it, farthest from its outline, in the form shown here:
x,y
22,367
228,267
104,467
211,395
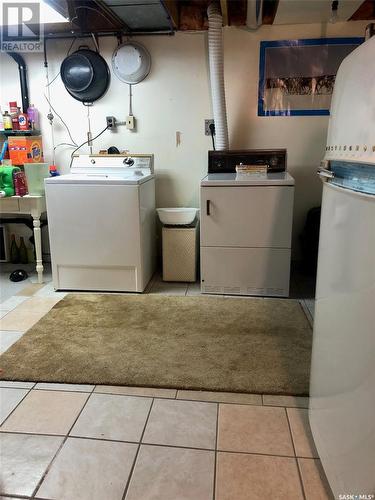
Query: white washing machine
x,y
246,224
101,220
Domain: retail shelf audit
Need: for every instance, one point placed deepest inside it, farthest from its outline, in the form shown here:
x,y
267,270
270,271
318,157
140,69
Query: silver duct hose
x,y
254,14
216,60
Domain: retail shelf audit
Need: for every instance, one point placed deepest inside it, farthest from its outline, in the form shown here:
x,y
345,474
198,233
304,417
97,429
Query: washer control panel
x,y
114,163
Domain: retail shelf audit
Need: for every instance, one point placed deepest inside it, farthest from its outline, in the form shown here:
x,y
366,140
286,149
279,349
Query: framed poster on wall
x,y
296,77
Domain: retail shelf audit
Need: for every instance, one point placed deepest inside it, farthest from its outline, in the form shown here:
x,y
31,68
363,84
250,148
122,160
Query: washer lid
x,y
101,178
131,62
249,179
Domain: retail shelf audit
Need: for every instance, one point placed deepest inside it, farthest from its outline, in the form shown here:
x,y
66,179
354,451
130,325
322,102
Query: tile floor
x,y
85,442
77,442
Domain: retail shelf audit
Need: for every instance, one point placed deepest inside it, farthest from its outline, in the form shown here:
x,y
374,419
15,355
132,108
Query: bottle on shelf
x,y
13,107
23,121
33,116
20,184
14,251
14,110
6,180
15,124
30,254
1,120
23,252
7,119
53,172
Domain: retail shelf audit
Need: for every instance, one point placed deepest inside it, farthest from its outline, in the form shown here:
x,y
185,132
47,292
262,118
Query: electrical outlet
x,y
207,124
111,122
130,122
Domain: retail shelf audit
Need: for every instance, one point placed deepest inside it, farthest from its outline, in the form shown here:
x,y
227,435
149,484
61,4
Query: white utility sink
x,y
177,216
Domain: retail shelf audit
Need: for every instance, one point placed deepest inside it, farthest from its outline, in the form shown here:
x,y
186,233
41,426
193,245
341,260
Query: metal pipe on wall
x,y
22,68
216,62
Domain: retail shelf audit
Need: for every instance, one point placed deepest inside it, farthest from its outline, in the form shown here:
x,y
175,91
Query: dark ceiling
x,y
159,16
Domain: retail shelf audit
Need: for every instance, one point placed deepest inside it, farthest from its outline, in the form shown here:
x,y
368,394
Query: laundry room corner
x,y
175,99
187,242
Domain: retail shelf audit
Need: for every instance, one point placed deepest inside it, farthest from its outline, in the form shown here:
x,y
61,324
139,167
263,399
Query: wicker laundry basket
x,y
180,253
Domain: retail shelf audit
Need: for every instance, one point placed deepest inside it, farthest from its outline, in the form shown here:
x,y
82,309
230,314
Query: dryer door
x,y
245,216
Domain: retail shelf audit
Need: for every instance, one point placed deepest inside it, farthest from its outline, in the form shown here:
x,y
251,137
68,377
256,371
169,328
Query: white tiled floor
x,y
102,474
188,424
46,412
10,398
77,442
71,445
8,338
107,416
172,473
8,288
25,459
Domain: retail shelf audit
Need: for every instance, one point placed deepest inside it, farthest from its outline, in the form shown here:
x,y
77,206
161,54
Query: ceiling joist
x,y
366,12
113,16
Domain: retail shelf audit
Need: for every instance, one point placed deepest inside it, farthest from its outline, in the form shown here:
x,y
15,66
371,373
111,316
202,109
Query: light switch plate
x,y
130,122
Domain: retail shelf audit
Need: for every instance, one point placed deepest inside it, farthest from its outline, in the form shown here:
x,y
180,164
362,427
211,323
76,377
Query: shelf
x,y
19,133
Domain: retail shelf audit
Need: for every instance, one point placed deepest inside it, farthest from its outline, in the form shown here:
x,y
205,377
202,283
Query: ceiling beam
x,y
224,11
237,10
269,11
95,15
365,12
193,15
172,8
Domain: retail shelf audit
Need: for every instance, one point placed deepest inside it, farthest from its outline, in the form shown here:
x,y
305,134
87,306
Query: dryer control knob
x,y
273,161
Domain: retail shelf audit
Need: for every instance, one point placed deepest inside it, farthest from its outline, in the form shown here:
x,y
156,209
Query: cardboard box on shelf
x,y
25,149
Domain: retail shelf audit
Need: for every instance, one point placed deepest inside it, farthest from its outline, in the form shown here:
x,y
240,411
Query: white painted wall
x,y
175,97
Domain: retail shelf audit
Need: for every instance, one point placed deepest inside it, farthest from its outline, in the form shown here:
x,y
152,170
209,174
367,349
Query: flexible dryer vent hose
x,y
216,60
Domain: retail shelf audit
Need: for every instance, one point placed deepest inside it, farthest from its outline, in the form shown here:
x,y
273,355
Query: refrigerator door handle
x,y
208,207
325,174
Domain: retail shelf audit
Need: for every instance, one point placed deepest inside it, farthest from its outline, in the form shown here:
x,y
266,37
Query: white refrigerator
x,y
342,386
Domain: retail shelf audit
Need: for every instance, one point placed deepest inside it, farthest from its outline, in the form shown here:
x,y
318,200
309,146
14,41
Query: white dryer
x,y
246,224
101,219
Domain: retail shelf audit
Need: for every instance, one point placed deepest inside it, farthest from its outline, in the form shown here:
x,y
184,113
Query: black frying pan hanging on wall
x,y
85,75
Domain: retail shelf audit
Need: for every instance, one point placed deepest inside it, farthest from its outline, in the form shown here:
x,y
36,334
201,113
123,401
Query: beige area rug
x,y
204,343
